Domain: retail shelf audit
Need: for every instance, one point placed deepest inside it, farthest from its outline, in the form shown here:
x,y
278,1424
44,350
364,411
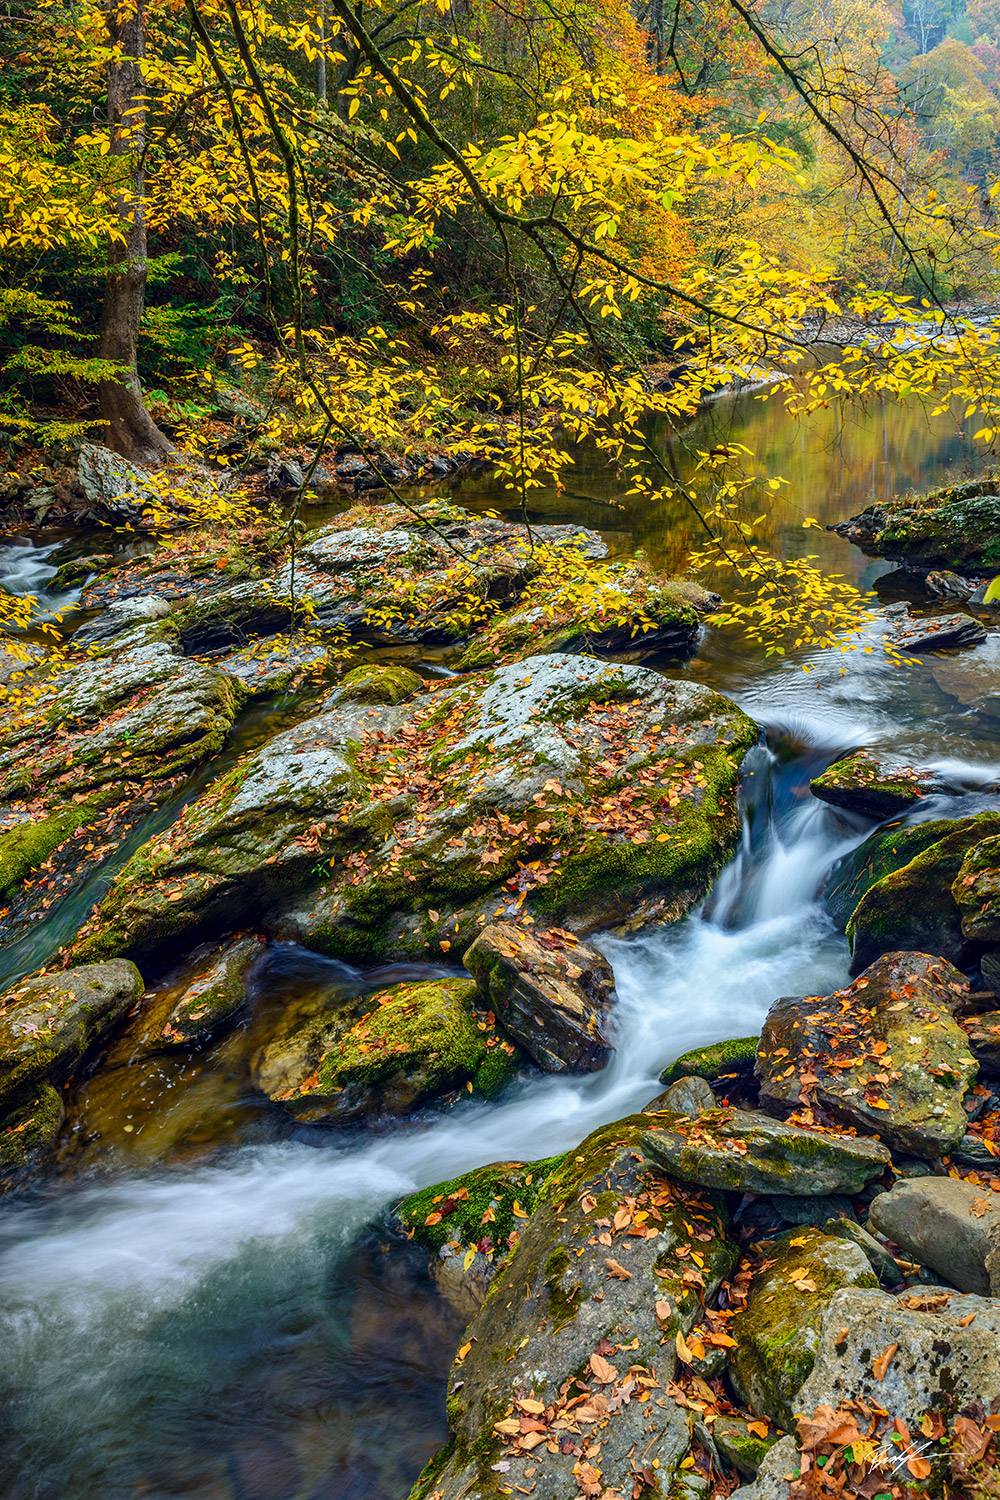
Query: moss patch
x,y
716,1061
482,1208
378,682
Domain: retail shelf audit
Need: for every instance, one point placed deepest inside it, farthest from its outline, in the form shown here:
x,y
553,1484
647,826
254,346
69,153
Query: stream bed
x,y
204,1310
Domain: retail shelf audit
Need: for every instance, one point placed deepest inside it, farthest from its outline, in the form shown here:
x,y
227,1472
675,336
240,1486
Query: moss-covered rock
x,y
589,1305
562,788
48,1022
778,1331
872,786
746,1151
379,682
976,891
955,527
234,616
885,1055
717,1061
551,993
412,1044
28,1135
741,1447
913,907
212,999
882,853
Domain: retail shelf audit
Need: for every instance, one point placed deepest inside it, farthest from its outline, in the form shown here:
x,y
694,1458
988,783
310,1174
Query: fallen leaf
x,y
964,1322
978,1206
918,1467
684,1354
603,1373
881,1365
617,1271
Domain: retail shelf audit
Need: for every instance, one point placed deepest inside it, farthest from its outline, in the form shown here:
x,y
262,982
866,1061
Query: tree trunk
x,y
321,56
129,429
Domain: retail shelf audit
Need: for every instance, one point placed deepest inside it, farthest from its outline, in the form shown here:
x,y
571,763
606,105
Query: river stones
x,y
232,616
778,1331
716,1062
119,617
944,1223
48,1022
472,1224
955,527
552,993
881,1262
882,853
561,787
687,1096
937,634
873,785
977,892
385,1055
885,1054
589,1304
914,907
379,682
212,999
907,1354
28,1134
746,1151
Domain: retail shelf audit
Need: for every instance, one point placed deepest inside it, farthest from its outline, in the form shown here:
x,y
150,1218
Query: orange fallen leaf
x,y
881,1365
617,1270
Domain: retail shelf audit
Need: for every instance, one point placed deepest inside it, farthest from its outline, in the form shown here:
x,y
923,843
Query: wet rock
x,y
914,908
984,1039
746,1151
934,1362
943,584
977,892
795,1209
77,570
779,1465
28,1134
472,1224
120,617
568,1315
688,1096
715,1063
879,1259
739,1447
778,1331
937,634
884,1055
392,831
408,1045
379,682
49,1021
989,966
234,616
213,999
884,852
272,665
872,785
953,527
550,992
942,1222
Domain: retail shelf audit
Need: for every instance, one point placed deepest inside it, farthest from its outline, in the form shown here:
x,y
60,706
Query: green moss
x,y
476,1206
564,1302
977,892
30,1131
27,845
955,527
715,1061
379,682
886,850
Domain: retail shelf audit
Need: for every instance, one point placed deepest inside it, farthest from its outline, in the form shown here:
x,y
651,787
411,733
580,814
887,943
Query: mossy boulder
x,y
955,527
550,992
379,682
49,1021
913,907
717,1061
471,1224
882,853
28,1134
884,1055
976,891
778,1331
563,788
588,1305
746,1151
872,786
983,1032
212,999
234,616
410,1045
740,1446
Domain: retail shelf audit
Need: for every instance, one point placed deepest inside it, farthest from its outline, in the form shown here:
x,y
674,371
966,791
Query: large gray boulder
x,y
942,1222
747,1151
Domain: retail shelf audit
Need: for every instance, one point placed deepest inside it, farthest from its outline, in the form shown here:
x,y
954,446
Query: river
x,y
178,1321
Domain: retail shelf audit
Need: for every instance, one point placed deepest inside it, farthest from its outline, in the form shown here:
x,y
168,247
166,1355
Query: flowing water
x,y
198,1309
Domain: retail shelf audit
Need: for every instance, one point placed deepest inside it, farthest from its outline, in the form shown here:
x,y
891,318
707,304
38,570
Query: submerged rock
x,y
563,787
929,1353
885,1055
778,1332
944,1223
214,998
745,1151
385,1055
49,1021
589,1305
913,907
551,993
872,785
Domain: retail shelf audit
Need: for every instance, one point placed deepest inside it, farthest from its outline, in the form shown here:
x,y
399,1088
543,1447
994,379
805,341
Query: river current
x,y
228,1326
